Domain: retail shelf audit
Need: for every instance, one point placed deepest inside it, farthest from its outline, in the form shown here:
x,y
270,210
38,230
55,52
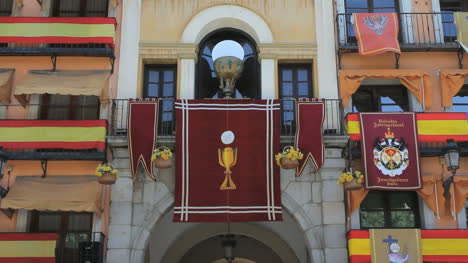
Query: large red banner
x,y
376,33
142,132
225,169
310,115
390,151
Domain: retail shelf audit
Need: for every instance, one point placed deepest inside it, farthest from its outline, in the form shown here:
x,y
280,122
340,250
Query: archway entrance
x,y
257,242
247,249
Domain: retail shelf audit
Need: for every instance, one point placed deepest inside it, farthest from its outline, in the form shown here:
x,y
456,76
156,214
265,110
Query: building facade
x,y
59,68
155,49
169,45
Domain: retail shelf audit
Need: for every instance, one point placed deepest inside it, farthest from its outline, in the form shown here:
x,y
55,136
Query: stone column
x,y
268,78
326,52
187,78
119,236
128,66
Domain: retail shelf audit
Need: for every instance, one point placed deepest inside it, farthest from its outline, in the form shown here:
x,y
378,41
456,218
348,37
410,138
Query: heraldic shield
x,y
390,151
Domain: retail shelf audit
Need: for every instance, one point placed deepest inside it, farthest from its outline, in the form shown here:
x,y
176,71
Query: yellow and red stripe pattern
x,y
437,246
432,127
59,30
38,134
28,247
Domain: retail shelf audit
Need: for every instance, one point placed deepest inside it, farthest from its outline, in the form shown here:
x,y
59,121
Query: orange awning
x,y
417,81
451,82
54,193
6,81
65,82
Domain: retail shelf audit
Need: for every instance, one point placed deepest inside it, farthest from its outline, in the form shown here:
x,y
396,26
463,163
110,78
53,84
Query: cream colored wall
x,y
289,20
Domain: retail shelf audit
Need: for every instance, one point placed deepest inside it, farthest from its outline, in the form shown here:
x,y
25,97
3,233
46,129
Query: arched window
x,y
207,83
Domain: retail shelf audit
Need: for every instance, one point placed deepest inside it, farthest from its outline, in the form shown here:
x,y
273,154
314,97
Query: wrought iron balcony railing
x,y
78,247
59,112
417,31
118,111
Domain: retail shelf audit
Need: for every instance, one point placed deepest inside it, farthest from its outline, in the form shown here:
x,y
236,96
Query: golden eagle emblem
x,y
377,23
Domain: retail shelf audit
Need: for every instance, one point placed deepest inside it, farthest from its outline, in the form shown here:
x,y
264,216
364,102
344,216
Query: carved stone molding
x,y
287,51
157,50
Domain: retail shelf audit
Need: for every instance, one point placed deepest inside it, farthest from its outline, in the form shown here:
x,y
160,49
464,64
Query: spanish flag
x,y
432,126
28,247
376,33
437,246
58,30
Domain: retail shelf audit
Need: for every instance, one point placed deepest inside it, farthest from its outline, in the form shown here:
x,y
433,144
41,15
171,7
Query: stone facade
x,y
314,202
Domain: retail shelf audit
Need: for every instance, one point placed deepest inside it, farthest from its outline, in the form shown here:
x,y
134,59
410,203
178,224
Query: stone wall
x,y
313,200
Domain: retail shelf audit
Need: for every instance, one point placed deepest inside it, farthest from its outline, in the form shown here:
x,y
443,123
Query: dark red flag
x,y
310,115
142,132
390,151
225,169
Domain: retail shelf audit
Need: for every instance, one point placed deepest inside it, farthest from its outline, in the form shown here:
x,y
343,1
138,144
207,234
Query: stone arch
x,y
164,207
223,16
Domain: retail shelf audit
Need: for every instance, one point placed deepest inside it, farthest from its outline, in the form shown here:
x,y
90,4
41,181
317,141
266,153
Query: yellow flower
x,y
98,174
114,171
360,180
164,156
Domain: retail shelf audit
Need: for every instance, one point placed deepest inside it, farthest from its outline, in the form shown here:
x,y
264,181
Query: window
x,y
385,209
5,7
66,107
366,6
460,100
207,83
371,6
295,81
80,8
382,98
73,228
160,81
447,7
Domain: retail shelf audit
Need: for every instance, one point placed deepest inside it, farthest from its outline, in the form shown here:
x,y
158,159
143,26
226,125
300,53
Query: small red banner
x,y
225,169
309,120
376,33
390,151
142,132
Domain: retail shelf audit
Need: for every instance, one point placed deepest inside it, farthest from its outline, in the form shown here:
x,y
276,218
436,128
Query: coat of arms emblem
x,y
377,23
391,154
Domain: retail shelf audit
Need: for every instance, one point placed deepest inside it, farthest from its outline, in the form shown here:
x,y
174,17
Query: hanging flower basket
x,y
351,180
162,157
289,158
106,174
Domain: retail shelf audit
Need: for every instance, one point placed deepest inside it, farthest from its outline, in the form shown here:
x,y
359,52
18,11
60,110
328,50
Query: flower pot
x,y
162,164
287,163
353,185
107,178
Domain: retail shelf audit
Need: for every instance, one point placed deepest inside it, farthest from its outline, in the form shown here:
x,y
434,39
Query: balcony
x,y
64,247
71,145
117,113
57,36
418,32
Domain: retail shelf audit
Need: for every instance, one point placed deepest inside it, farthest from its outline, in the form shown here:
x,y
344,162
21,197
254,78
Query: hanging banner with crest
x,y
390,151
376,33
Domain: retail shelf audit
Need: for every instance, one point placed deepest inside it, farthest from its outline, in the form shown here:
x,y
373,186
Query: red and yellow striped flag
x,y
28,247
437,246
57,30
432,127
37,134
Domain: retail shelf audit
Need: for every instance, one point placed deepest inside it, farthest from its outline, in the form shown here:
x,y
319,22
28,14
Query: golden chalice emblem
x,y
227,158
